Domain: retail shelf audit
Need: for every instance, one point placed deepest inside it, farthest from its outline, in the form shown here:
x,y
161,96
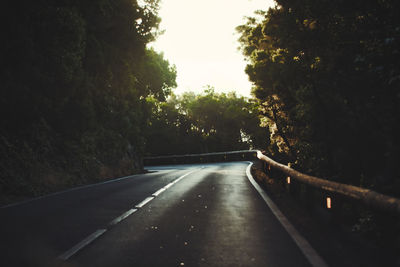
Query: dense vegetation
x,y
327,76
202,123
83,98
75,78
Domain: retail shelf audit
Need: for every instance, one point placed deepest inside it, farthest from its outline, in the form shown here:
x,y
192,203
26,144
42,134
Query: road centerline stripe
x,y
183,176
144,202
305,247
69,253
168,186
122,217
159,191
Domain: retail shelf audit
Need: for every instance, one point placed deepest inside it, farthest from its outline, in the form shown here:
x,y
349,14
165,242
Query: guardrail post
x,y
288,184
320,207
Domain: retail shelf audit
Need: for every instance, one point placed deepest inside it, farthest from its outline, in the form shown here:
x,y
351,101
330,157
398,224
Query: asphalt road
x,y
203,215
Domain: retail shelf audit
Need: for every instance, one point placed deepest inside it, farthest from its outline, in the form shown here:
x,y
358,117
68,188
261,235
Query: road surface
x,y
187,215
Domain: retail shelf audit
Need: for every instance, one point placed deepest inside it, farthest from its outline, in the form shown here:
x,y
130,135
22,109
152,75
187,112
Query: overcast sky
x,y
200,40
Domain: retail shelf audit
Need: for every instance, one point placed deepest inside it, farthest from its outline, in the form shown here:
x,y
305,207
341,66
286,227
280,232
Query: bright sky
x,y
200,39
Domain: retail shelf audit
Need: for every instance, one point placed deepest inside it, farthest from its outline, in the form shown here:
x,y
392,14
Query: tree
x,y
207,122
75,76
326,75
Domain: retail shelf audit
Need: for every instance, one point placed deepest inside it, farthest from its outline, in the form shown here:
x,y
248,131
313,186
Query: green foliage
x,y
327,76
206,122
157,77
75,76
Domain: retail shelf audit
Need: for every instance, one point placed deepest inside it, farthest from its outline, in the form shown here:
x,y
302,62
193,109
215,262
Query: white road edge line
x,y
122,217
69,253
305,247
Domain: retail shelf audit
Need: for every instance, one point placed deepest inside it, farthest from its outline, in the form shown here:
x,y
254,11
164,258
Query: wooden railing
x,y
366,196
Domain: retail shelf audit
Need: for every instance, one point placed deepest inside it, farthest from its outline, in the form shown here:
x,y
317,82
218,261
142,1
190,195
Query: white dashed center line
x,y
69,253
144,202
122,217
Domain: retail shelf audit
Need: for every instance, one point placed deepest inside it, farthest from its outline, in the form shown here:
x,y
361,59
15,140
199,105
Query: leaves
x,y
207,122
326,70
80,68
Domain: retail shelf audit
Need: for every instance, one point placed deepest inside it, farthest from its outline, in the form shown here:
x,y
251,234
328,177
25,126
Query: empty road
x,y
184,215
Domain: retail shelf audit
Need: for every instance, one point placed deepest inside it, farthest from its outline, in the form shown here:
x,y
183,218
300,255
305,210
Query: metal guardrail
x,y
366,196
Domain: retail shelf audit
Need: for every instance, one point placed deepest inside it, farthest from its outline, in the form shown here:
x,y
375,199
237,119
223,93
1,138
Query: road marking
x,y
69,253
144,202
71,190
159,191
122,217
168,186
305,247
183,176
